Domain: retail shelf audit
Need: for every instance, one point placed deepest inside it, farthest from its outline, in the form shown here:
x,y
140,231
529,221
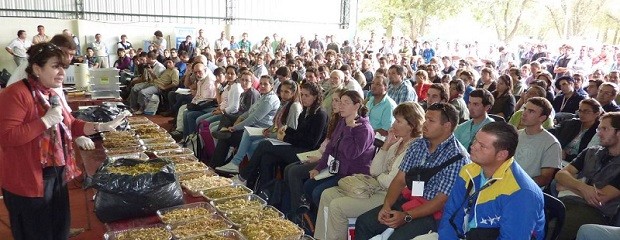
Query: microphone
x,y
54,101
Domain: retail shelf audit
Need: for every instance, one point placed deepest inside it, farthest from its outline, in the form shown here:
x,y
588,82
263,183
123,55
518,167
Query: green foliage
x,y
541,19
414,13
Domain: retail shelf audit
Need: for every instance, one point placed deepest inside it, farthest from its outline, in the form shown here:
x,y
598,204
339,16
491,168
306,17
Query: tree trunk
x,y
422,26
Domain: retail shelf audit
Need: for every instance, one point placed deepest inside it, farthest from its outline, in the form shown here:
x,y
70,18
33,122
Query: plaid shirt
x,y
418,156
402,93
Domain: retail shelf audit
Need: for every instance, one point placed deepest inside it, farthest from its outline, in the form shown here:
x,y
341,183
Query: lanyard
x,y
470,199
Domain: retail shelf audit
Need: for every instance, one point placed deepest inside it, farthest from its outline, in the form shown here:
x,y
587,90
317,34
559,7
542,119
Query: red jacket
x,y
20,131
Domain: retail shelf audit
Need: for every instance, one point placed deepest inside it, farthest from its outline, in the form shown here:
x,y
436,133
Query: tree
x,y
574,17
502,15
416,14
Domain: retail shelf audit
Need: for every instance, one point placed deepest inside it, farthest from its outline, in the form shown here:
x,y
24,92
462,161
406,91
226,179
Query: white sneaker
x,y
229,168
238,180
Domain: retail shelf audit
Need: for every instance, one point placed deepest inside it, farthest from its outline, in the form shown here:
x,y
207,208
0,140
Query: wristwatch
x,y
408,218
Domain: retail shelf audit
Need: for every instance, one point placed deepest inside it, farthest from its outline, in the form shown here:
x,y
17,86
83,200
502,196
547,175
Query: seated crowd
x,y
440,146
468,144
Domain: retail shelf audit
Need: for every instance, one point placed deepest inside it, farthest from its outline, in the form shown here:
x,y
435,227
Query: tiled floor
x,y
82,215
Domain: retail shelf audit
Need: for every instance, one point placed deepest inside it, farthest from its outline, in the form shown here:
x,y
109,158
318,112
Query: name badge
x,y
417,188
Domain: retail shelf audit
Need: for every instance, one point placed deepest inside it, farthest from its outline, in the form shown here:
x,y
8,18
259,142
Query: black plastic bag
x,y
103,113
126,196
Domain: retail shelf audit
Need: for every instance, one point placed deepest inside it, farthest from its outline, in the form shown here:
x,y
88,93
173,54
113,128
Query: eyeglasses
x,y
441,107
47,47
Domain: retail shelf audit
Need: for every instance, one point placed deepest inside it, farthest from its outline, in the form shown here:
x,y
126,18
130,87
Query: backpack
x,y
4,78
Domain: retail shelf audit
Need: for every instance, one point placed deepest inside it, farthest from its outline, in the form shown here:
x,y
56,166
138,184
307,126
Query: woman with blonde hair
x,y
384,167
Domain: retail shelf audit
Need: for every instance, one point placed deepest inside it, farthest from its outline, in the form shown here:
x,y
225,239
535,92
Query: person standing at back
x,y
18,47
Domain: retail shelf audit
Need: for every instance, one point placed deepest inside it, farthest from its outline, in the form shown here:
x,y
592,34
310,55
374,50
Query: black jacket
x,y
310,132
569,129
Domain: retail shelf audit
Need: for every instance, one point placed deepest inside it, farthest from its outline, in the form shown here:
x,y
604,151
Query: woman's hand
x,y
111,126
312,159
281,133
52,117
85,143
352,123
390,140
266,132
313,173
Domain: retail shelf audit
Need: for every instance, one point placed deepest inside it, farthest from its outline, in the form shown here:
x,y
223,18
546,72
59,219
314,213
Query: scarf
x,y
56,143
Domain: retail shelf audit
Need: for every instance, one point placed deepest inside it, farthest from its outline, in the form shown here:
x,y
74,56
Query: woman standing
x,y
351,147
504,100
36,153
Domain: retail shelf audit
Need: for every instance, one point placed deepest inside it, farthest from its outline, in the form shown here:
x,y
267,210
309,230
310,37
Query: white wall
x,y
139,31
10,26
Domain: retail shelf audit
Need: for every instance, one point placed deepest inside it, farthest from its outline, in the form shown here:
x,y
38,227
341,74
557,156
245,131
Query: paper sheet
x,y
255,131
277,142
184,91
304,156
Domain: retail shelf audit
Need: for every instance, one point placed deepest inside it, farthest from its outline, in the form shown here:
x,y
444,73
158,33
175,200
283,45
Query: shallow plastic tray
x,y
158,140
108,135
172,227
190,167
228,233
207,192
113,235
186,176
161,147
125,142
162,212
251,197
180,159
182,151
299,233
125,150
135,155
197,192
239,224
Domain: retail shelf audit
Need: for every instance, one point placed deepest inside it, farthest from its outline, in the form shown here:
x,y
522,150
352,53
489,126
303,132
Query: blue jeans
x,y
313,188
247,146
204,116
597,232
210,118
189,120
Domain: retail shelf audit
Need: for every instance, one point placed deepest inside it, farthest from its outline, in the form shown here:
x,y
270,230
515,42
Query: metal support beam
x,y
79,9
229,12
345,14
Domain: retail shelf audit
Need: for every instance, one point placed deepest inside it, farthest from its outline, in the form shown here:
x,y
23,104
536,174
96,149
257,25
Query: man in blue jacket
x,y
493,198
